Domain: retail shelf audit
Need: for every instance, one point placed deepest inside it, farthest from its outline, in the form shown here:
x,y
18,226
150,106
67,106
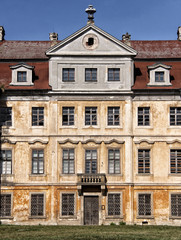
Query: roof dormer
x,y
159,75
22,75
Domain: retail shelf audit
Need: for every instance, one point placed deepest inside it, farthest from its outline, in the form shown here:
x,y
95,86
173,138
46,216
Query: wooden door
x,y
91,210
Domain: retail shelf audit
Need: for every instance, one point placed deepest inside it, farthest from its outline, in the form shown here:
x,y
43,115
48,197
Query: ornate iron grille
x,y
5,205
144,204
67,204
114,204
176,205
37,204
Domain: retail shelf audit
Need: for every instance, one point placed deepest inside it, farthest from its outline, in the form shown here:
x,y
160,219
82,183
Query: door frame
x,y
91,194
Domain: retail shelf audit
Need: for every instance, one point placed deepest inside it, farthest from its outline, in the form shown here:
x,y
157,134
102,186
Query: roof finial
x,y
90,11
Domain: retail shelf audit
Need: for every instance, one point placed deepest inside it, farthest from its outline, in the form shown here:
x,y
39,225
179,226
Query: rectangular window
x,y
159,76
113,74
68,116
37,161
91,74
21,77
91,161
143,116
5,162
68,161
37,116
68,204
175,161
37,205
5,116
176,205
68,75
114,204
143,161
91,116
113,116
5,205
175,116
114,160
144,205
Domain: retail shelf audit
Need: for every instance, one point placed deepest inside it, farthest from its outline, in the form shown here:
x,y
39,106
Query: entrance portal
x,y
91,210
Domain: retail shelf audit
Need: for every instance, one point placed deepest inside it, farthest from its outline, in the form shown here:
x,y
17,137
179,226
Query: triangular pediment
x,y
91,40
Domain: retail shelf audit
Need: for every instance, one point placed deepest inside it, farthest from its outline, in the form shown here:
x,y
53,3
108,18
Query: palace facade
x,y
90,130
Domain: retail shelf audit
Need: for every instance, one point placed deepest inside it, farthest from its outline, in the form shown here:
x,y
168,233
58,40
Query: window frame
x,y
91,73
70,71
11,161
114,149
113,115
91,160
91,117
176,162
38,116
11,205
175,116
21,76
68,160
144,170
69,115
158,76
44,205
114,73
38,161
5,115
144,116
151,205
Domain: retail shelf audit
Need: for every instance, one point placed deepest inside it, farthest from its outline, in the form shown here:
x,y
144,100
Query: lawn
x,y
8,232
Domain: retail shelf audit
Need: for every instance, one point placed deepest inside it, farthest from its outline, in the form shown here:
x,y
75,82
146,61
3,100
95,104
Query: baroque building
x,y
90,129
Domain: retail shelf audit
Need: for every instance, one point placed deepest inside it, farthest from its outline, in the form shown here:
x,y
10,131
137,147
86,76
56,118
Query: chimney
x,y
179,34
2,33
90,11
126,38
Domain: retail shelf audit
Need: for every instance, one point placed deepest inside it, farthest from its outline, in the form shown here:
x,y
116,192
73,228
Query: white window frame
x,y
22,67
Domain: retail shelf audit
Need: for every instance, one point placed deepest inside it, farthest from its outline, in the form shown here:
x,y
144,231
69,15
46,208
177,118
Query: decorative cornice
x,y
144,140
68,141
38,141
5,140
114,141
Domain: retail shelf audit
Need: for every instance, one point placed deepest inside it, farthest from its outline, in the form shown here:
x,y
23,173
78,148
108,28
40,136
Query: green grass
x,y
122,232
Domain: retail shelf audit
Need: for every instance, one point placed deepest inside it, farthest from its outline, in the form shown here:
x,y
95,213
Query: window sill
x,y
10,218
159,84
175,217
114,217
91,126
145,217
115,174
38,127
38,175
68,217
174,127
144,175
6,175
67,174
113,126
144,127
37,217
174,174
67,127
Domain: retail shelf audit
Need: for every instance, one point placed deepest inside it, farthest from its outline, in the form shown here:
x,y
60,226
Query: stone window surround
x,y
159,67
22,67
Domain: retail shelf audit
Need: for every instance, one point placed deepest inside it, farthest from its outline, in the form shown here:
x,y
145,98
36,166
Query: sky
x,y
143,19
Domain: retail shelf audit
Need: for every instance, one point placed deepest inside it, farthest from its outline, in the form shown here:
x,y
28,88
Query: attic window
x,y
159,76
21,77
90,41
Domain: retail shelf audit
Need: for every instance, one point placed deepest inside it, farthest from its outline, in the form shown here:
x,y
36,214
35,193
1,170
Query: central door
x,y
91,210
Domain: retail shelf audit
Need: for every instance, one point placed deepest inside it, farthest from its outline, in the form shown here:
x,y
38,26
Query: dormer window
x,y
159,75
22,75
